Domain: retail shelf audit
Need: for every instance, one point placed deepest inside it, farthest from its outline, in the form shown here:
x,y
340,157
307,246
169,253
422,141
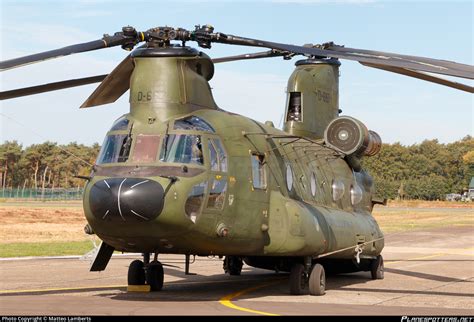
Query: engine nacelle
x,y
351,137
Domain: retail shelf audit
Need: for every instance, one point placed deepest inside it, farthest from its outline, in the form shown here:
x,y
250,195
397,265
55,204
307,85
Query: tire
x,y
155,276
377,268
233,265
136,273
298,279
317,280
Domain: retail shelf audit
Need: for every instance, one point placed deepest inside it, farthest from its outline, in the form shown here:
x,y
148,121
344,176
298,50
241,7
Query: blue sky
x,y
397,107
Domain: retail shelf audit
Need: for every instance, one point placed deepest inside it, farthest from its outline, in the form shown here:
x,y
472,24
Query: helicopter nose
x,y
126,199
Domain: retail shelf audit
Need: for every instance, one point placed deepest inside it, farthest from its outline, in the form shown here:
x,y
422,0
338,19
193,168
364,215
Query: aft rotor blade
x,y
113,86
384,59
50,87
423,76
127,39
264,54
444,64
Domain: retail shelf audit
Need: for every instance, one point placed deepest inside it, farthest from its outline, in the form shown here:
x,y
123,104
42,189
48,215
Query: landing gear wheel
x,y
233,265
298,279
317,280
136,273
376,268
155,276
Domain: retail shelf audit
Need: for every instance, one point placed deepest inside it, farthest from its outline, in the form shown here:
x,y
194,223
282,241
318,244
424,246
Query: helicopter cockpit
x,y
180,146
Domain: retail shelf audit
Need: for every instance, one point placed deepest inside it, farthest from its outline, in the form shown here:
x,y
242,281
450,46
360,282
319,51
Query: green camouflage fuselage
x,y
271,219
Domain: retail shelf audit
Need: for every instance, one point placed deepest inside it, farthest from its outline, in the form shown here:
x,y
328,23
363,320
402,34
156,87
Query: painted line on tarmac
x,y
227,300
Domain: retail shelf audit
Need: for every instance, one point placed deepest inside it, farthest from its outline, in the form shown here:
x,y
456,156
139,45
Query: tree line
x,y
428,170
46,165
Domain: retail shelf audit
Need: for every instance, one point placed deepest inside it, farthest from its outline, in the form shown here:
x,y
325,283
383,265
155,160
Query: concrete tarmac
x,y
429,272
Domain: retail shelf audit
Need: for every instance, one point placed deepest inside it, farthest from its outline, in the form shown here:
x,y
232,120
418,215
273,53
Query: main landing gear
x,y
307,276
233,265
376,268
146,273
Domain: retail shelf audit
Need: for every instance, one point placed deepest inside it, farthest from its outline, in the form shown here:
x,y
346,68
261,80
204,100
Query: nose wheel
x,y
155,275
151,274
136,273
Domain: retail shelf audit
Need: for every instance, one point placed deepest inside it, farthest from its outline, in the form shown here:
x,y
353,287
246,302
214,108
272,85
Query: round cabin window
x,y
313,184
289,177
356,194
337,189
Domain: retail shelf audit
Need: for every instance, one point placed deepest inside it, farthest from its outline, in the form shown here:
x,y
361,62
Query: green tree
x,y
10,154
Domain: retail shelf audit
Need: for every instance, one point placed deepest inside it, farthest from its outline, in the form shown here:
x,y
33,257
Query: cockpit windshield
x,y
180,148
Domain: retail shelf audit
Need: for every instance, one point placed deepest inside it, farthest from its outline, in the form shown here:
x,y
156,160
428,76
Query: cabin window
x,y
115,149
120,124
217,193
193,123
313,184
178,148
294,107
289,177
195,201
146,148
337,189
259,167
356,194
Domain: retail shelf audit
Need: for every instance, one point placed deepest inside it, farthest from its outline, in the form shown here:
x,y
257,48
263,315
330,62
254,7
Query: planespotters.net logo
x,y
437,319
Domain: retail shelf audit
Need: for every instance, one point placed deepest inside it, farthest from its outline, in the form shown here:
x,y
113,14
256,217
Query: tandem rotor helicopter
x,y
179,175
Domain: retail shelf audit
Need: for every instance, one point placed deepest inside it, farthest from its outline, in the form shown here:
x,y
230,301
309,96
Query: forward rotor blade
x,y
50,87
118,81
128,40
423,76
113,86
401,61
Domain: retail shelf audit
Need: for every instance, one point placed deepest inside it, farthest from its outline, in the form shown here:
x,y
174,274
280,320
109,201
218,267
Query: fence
x,y
42,194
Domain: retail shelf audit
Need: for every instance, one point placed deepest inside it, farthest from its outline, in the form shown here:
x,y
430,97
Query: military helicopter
x,y
179,175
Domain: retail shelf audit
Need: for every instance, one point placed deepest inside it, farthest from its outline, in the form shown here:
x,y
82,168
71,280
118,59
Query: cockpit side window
x,y
193,123
213,157
180,148
195,201
217,194
221,154
146,148
113,150
218,155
